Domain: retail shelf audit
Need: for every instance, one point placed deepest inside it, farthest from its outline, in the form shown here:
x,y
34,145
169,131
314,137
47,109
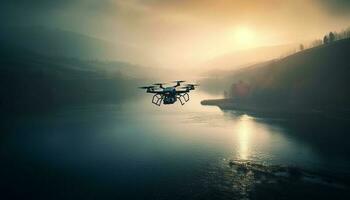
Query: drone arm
x,y
155,92
182,91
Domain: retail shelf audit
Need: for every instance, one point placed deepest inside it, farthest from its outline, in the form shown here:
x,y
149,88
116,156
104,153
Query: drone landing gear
x,y
183,98
157,99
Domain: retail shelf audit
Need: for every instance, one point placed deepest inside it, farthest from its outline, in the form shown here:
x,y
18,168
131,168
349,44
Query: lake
x,y
136,150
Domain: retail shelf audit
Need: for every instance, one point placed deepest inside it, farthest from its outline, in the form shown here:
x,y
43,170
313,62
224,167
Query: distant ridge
x,y
63,43
316,78
243,58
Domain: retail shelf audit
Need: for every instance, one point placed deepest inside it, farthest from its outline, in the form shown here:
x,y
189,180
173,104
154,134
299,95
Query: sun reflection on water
x,y
244,136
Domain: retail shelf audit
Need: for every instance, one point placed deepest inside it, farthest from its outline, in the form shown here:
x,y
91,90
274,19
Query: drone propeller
x,y
178,83
192,84
186,88
147,87
159,84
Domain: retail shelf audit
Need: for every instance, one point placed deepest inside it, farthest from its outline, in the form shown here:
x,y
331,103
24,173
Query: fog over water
x,y
162,152
75,125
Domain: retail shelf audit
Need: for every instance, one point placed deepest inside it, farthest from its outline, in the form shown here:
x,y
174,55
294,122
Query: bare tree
x,y
331,37
325,39
301,47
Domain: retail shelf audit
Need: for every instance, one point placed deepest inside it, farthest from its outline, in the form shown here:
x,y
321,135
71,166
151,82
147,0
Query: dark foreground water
x,y
135,150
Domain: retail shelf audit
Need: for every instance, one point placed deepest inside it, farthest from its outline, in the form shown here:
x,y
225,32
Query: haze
x,y
184,33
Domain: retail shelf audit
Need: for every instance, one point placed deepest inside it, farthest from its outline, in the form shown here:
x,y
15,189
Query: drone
x,y
169,95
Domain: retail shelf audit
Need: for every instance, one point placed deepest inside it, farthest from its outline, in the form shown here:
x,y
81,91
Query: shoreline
x,y
251,108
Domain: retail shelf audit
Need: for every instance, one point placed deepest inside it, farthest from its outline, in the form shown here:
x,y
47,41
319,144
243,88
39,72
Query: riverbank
x,y
278,110
232,104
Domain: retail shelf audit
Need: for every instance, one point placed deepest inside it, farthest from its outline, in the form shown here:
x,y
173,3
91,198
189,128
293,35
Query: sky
x,y
181,33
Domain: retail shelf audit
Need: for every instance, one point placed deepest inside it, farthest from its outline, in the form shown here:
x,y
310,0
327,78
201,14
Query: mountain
x,y
80,50
217,81
243,58
62,43
31,82
313,79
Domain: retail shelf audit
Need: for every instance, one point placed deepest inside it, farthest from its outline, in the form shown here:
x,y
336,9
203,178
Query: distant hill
x,y
31,82
243,58
316,78
41,69
62,43
81,51
216,81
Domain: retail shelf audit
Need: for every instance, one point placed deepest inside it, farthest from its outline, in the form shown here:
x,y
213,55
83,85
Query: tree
x,y
325,39
301,47
331,37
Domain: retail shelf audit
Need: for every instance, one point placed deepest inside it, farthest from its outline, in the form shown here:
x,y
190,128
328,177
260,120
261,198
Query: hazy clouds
x,y
183,32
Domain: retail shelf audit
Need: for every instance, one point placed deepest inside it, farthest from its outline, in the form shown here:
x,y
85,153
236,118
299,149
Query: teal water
x,y
136,150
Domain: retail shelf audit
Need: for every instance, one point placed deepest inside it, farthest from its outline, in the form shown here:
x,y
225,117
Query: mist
x,y
182,34
175,99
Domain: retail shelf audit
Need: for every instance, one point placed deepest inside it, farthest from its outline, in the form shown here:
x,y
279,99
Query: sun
x,y
243,37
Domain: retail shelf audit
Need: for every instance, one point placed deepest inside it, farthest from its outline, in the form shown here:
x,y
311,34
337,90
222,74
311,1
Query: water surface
x,y
137,150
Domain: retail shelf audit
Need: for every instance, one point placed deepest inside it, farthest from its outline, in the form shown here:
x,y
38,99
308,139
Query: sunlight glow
x,y
243,37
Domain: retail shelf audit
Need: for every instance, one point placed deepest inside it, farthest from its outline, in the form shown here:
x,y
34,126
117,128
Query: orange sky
x,y
188,32
180,33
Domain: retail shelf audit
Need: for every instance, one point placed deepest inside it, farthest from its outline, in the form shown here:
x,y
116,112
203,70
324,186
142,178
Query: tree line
x,y
327,39
331,37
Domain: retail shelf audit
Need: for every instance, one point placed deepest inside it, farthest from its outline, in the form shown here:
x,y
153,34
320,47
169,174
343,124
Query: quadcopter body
x,y
169,95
